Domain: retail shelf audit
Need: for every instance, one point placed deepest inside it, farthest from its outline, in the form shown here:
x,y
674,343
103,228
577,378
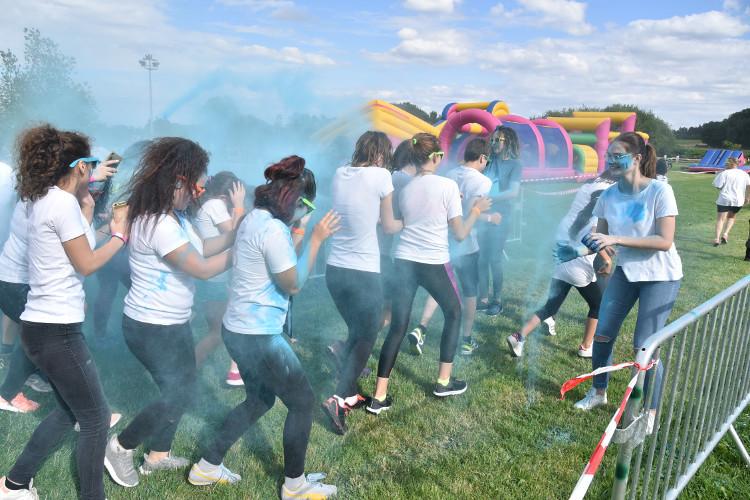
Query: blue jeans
x,y
655,302
491,241
269,368
60,351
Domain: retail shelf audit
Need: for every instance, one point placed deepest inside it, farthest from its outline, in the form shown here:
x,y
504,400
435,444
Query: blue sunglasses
x,y
95,161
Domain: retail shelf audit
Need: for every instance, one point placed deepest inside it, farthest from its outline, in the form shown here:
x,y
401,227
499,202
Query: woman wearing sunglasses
x,y
637,214
53,178
505,171
431,206
361,194
166,255
270,265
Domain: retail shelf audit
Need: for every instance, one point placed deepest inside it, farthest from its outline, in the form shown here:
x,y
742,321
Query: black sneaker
x,y
375,406
482,305
453,388
494,308
337,413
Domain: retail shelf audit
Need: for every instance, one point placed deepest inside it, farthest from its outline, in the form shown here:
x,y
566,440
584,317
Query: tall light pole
x,y
150,64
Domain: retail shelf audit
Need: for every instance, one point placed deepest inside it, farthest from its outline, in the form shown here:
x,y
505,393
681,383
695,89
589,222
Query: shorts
x,y
727,208
387,280
211,291
466,268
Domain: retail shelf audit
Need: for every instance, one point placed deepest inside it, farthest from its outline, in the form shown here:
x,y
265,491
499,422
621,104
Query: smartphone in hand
x,y
114,156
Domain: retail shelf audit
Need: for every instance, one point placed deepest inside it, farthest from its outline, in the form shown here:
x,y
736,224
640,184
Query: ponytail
x,y
584,215
423,145
286,181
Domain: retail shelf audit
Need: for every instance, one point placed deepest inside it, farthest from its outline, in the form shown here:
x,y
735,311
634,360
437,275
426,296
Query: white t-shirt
x,y
14,260
427,203
732,183
56,294
577,272
356,193
161,293
635,216
209,216
257,305
386,241
7,199
471,183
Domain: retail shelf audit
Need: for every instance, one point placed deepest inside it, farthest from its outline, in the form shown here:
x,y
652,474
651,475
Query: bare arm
x,y
662,240
510,193
87,261
187,259
387,220
461,228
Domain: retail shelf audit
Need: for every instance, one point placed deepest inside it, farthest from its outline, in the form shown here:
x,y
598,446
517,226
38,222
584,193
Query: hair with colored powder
x,y
635,145
512,148
164,163
373,149
476,148
423,145
43,157
286,182
584,215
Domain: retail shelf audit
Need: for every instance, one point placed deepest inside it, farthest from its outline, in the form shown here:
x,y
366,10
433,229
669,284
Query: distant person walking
x,y
734,192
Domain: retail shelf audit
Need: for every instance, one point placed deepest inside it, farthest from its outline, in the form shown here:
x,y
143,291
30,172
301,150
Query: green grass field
x,y
506,437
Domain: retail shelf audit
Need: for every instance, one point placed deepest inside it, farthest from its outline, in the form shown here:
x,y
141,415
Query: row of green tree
x,y
732,132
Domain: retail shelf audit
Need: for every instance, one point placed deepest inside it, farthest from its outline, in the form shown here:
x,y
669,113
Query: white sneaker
x,y
592,400
220,475
309,489
516,346
29,494
583,352
550,322
650,424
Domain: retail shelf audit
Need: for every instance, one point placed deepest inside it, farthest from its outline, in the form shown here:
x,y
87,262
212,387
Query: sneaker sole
x,y
235,383
414,346
113,475
450,393
338,427
376,412
487,313
512,351
9,407
207,482
586,356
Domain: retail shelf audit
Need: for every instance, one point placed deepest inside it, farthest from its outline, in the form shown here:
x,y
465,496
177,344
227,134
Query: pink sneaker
x,y
234,378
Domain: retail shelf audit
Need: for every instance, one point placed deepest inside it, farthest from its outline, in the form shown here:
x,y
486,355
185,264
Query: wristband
x,y
619,240
296,231
238,210
489,218
479,212
606,262
119,235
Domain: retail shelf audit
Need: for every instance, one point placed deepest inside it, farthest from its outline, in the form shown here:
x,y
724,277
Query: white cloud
x,y
432,6
705,25
288,55
270,31
565,15
434,48
257,5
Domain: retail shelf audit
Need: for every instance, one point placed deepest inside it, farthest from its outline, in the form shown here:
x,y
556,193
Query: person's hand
x,y
606,268
86,201
237,194
611,251
326,226
105,170
120,224
597,241
564,253
495,219
483,204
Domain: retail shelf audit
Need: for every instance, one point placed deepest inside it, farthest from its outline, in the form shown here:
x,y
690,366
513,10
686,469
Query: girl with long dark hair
x,y
54,169
267,270
166,255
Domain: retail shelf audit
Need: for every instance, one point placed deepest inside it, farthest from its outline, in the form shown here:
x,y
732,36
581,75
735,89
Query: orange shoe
x,y
22,404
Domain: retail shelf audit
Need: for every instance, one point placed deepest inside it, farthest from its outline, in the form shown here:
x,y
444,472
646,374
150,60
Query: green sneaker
x,y
468,347
416,340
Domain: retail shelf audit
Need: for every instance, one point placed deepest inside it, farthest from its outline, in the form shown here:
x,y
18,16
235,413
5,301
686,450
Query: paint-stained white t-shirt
x,y
733,186
56,294
471,184
206,221
257,304
356,193
161,294
427,204
14,259
635,216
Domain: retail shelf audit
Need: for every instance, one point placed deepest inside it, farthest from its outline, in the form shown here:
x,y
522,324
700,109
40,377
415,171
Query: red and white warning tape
x,y
588,473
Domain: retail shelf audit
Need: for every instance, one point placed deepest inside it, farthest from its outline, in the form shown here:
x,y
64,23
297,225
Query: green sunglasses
x,y
439,153
310,206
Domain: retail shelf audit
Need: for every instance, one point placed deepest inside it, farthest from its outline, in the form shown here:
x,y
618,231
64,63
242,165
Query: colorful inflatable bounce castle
x,y
714,160
551,148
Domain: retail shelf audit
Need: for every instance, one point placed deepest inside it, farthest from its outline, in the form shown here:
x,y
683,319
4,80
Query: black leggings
x,y
168,353
559,289
358,296
12,303
439,282
269,368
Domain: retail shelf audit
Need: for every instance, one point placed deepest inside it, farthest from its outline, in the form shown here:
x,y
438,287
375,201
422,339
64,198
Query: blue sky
x,y
681,59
